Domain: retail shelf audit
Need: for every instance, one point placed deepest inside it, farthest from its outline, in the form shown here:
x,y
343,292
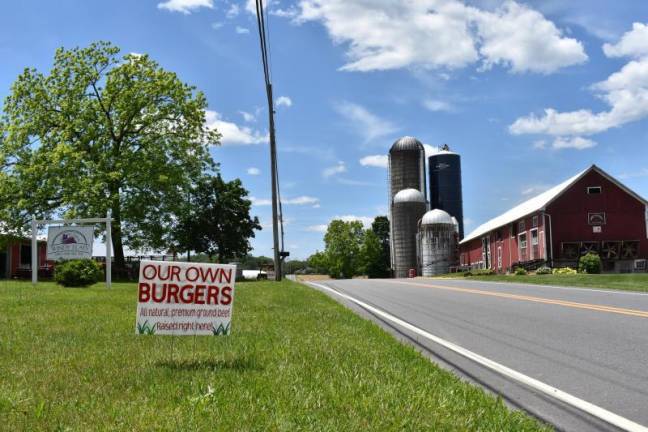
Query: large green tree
x,y
343,251
217,220
380,265
103,132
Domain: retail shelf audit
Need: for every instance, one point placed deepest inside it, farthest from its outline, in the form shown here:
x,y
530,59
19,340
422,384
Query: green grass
x,y
624,282
296,360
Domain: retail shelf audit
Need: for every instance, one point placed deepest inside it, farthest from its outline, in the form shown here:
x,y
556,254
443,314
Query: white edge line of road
x,y
596,290
594,410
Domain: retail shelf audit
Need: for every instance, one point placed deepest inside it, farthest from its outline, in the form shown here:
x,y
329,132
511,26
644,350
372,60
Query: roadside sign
x,y
74,242
185,298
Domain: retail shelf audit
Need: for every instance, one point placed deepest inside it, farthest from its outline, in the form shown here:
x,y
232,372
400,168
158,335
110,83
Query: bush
x,y
519,271
77,273
564,271
590,263
544,270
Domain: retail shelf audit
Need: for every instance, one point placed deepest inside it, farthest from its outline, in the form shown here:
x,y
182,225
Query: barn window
x,y
534,221
521,226
25,256
593,190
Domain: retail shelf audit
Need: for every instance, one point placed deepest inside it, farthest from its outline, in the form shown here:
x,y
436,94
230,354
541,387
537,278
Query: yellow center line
x,y
594,307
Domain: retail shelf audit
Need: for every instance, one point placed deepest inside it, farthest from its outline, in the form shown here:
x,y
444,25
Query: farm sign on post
x,y
184,298
69,242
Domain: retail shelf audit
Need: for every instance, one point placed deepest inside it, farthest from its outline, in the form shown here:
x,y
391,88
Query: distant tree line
x,y
350,250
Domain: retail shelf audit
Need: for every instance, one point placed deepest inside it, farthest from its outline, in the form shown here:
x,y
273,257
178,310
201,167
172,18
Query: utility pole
x,y
278,254
275,186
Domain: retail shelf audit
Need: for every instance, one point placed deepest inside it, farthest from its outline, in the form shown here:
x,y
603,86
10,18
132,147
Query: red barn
x,y
15,258
591,211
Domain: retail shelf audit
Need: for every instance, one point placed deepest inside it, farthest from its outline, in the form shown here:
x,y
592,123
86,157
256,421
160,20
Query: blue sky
x,y
529,92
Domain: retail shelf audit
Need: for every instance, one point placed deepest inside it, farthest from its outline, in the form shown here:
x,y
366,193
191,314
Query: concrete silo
x,y
407,209
406,171
438,242
445,184
406,166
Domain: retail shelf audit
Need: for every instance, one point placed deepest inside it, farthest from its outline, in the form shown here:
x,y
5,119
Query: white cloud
x,y
233,11
642,173
247,116
632,44
283,101
535,189
253,171
378,161
300,200
185,6
339,168
578,143
317,228
539,144
625,91
437,105
366,222
233,134
523,39
242,30
392,34
366,123
217,25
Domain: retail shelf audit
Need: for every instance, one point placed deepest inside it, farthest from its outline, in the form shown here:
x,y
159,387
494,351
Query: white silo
x,y
438,242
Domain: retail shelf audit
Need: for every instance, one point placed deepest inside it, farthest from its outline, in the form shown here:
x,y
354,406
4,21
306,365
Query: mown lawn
x,y
296,360
625,282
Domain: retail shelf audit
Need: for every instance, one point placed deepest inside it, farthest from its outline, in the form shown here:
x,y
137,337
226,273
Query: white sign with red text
x,y
184,298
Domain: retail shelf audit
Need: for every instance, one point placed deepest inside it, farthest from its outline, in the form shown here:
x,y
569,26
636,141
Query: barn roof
x,y
540,202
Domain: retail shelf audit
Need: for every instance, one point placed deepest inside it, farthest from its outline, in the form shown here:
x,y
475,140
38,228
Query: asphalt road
x,y
590,343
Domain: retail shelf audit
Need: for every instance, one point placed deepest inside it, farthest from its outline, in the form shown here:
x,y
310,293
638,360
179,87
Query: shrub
x,y
519,271
77,273
544,270
564,271
589,263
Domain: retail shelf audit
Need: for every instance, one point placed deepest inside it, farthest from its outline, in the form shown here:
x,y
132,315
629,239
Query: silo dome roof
x,y
409,195
436,217
406,143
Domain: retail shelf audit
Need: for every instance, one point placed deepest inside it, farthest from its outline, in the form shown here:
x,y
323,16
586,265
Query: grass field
x,y
626,282
296,360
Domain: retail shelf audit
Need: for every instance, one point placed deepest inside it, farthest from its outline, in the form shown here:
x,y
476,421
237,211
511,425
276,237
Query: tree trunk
x,y
118,245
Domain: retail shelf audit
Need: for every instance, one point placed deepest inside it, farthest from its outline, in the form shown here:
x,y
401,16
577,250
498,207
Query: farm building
x,y
15,258
591,211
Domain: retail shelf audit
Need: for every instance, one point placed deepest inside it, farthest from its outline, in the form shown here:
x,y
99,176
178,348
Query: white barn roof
x,y
540,202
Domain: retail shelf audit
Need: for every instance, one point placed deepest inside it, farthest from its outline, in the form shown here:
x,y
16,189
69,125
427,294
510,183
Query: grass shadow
x,y
240,364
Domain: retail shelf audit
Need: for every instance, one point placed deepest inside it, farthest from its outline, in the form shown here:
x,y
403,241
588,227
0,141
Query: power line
x,y
277,217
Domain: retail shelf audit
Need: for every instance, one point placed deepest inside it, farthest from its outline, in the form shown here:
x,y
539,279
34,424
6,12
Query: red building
x,y
591,211
15,258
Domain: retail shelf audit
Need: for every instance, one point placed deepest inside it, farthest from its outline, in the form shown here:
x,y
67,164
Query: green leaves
x,y
100,132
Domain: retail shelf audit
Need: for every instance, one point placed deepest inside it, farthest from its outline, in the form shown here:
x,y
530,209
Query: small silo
x,y
445,184
438,242
406,166
408,207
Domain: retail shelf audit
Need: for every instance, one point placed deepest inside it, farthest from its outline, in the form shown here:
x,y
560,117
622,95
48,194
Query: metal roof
x,y
406,143
409,195
540,202
436,217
